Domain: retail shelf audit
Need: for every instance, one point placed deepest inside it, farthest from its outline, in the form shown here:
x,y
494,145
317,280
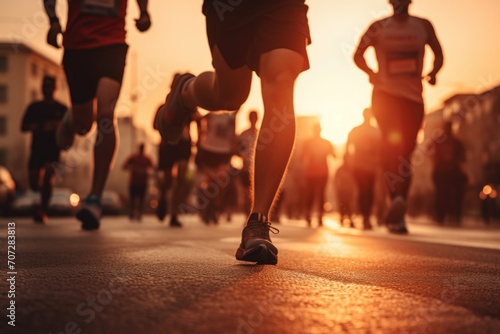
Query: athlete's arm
x,y
28,123
55,28
151,166
365,42
144,21
331,151
436,49
155,120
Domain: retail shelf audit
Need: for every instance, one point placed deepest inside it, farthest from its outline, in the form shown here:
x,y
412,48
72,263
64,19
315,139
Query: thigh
x,y
399,119
386,111
111,66
230,82
322,181
412,123
81,75
110,62
282,28
278,61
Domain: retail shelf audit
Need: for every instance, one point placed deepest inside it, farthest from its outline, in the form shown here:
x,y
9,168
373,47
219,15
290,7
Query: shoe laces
x,y
261,229
93,200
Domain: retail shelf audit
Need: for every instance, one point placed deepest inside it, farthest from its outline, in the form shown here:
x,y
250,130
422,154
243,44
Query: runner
x,y
363,149
270,38
94,61
397,103
41,119
170,156
216,146
140,166
315,153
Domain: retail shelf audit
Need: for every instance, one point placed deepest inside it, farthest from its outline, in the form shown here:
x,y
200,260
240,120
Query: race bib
x,y
402,63
101,7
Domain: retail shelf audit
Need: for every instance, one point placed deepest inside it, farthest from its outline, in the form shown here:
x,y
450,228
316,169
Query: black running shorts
x,y
169,154
208,159
39,160
84,68
245,29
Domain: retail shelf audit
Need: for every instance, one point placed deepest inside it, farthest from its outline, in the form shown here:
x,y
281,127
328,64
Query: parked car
x,y
64,202
112,203
26,204
7,191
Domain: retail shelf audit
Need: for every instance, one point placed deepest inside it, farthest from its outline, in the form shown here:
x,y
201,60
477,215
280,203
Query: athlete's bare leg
x,y
278,70
106,142
222,89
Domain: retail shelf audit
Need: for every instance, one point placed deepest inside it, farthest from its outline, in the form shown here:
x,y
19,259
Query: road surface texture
x,y
149,278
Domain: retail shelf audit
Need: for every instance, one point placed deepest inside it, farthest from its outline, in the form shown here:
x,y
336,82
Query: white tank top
x,y
400,47
218,132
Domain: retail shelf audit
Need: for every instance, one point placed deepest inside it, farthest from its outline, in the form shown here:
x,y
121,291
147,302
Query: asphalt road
x,y
149,278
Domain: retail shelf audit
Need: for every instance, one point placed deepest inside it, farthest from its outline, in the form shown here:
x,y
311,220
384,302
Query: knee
x,y
229,101
279,79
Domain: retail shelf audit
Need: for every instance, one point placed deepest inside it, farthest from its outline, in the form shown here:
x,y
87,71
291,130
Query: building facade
x,y
21,72
475,119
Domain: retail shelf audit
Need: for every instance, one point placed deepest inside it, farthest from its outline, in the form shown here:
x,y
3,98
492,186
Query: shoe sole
x,y
161,212
398,229
89,221
396,212
260,254
171,132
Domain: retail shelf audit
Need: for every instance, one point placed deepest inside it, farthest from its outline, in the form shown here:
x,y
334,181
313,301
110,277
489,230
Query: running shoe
x,y
174,222
174,115
399,228
65,135
367,226
395,216
256,245
396,212
90,213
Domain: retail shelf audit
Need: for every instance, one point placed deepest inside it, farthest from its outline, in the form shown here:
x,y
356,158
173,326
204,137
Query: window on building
x,y
3,156
34,69
3,125
3,64
3,93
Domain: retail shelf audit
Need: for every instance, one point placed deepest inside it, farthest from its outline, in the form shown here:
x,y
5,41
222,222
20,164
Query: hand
x,y
54,31
144,22
431,78
374,78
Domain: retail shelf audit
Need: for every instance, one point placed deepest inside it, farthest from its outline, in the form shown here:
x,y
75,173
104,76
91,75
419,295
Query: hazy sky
x,y
333,88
